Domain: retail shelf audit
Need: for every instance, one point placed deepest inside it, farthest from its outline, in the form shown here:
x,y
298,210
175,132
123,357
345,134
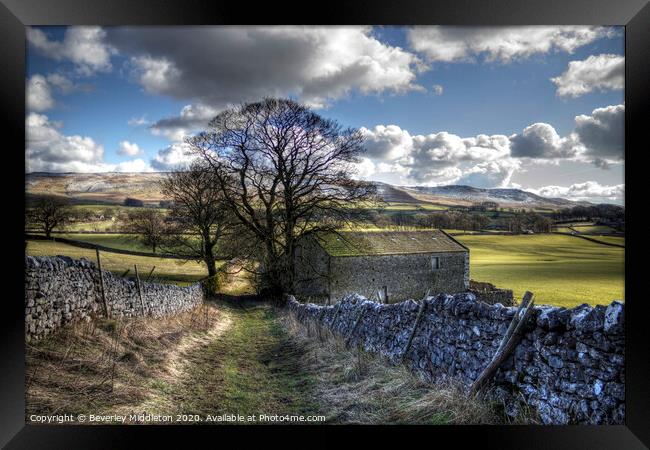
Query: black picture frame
x,y
16,14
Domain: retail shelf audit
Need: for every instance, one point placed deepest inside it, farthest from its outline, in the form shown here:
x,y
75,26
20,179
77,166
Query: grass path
x,y
250,366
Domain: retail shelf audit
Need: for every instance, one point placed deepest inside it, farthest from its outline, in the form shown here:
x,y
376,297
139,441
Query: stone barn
x,y
402,263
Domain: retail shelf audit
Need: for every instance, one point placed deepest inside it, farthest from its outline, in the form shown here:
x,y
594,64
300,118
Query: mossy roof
x,y
368,243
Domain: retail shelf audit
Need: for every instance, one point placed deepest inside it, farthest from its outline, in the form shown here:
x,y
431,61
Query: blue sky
x,y
124,98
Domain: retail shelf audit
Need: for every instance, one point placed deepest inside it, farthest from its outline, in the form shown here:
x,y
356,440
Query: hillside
x,y
467,195
115,187
108,187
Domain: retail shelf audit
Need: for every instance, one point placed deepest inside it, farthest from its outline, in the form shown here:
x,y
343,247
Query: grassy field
x,y
559,270
167,270
594,229
611,239
119,241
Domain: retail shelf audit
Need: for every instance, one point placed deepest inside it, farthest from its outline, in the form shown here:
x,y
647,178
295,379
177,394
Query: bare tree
x,y
200,219
149,224
284,172
48,213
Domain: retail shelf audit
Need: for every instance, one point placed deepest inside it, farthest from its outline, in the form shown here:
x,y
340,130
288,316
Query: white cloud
x,y
387,142
84,46
218,65
540,140
174,156
40,89
490,161
502,44
129,148
602,134
48,150
138,121
596,73
436,158
190,119
39,95
589,190
136,165
437,89
490,174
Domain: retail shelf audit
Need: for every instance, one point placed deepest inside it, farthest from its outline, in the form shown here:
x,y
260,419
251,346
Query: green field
x,y
167,270
559,270
611,239
594,229
120,241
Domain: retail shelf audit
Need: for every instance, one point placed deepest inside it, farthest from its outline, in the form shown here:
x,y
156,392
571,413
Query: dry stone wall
x,y
569,366
61,290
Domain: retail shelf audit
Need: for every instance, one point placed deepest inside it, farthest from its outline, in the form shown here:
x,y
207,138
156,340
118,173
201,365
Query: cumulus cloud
x,y
596,73
136,165
432,157
191,118
40,90
491,161
501,44
490,174
387,142
129,148
540,140
49,150
233,64
38,93
589,190
602,134
172,157
84,46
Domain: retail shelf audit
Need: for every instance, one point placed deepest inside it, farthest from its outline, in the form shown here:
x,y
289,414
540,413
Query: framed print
x,y
408,218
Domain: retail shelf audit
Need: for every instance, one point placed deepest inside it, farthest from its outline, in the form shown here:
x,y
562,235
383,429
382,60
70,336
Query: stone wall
x,y
490,294
60,290
569,366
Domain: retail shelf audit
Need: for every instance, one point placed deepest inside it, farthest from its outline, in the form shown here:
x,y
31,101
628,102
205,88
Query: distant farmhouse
x,y
402,263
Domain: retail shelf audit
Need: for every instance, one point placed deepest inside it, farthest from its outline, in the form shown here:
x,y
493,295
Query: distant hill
x,y
113,188
467,195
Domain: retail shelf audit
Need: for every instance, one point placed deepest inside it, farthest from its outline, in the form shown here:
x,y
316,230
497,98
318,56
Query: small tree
x,y
48,213
149,224
199,218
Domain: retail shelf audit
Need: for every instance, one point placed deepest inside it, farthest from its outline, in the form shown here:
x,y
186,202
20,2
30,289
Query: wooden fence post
x,y
356,324
508,343
385,294
137,278
101,283
418,318
150,273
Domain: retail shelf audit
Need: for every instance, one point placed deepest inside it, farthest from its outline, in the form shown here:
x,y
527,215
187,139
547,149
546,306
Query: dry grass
x,y
354,386
100,365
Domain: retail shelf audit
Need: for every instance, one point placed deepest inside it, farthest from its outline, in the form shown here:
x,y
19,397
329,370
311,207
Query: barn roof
x,y
367,243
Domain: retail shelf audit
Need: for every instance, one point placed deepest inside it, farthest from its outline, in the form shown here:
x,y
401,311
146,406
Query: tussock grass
x,y
354,386
99,365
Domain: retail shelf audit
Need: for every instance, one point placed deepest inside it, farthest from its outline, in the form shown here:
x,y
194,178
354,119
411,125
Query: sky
x,y
539,108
